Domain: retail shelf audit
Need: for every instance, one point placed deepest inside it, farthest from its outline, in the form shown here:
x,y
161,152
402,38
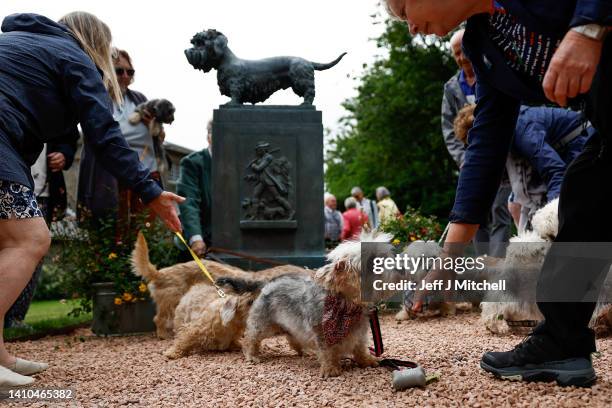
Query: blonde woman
x,y
54,75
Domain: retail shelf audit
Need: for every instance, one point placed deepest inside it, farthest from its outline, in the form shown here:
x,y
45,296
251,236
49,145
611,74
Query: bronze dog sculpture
x,y
253,81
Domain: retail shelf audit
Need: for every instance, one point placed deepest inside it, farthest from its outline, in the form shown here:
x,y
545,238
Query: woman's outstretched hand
x,y
166,210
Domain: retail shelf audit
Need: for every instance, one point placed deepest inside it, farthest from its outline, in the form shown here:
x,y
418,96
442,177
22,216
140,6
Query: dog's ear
x,y
220,44
228,311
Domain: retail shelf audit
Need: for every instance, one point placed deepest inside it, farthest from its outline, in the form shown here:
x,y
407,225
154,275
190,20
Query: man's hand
x,y
165,208
56,161
572,68
199,247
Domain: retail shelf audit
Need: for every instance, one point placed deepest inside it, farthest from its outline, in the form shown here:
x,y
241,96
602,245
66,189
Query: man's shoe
x,y
538,358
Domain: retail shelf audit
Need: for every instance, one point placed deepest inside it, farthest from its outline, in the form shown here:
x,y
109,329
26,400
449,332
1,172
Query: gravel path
x,y
130,371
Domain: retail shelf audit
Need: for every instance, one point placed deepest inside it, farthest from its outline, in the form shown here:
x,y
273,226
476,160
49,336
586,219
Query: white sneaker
x,y
25,367
10,378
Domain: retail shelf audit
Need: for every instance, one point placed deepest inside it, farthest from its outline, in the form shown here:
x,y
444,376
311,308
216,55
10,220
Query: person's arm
x,y
449,112
67,149
188,186
346,227
91,101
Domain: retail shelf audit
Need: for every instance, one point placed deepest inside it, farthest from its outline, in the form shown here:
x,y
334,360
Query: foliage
x,y
45,317
412,226
391,135
101,253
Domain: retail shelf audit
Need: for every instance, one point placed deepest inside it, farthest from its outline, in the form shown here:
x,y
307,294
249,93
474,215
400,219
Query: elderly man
x,y
460,90
333,221
535,51
367,206
194,184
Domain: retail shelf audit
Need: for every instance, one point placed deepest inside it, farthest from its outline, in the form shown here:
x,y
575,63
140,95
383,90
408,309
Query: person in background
x,y
353,220
491,237
194,184
367,206
545,142
50,191
99,191
333,221
387,209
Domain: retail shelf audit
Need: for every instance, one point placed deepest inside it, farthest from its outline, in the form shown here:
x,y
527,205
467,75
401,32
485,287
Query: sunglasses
x,y
121,71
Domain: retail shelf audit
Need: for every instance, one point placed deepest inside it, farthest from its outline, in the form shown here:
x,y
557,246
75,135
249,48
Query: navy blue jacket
x,y
538,131
47,86
499,92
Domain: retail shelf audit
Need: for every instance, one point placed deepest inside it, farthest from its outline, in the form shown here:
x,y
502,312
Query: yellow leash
x,y
201,265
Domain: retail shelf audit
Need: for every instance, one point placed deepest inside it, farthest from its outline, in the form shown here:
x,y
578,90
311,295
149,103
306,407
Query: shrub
x,y
413,226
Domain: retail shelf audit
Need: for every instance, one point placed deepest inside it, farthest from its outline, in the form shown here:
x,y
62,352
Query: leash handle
x,y
379,347
201,265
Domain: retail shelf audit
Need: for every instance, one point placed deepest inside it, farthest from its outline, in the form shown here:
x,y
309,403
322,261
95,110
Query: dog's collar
x,y
339,318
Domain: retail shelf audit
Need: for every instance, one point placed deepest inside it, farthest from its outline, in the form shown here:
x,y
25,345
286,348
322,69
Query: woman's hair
x,y
464,122
95,38
382,192
116,54
350,202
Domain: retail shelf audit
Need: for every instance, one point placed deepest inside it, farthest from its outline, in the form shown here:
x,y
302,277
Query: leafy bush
x,y
413,226
101,253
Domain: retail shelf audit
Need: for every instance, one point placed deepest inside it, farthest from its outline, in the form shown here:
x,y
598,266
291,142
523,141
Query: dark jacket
x,y
539,138
500,91
98,189
194,184
47,86
453,100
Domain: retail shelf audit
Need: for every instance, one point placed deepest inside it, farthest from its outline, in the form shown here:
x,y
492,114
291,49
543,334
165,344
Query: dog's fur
x,y
161,111
528,251
252,81
206,322
293,305
168,285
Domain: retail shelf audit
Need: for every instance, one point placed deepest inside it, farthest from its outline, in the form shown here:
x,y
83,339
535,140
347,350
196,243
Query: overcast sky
x,y
156,33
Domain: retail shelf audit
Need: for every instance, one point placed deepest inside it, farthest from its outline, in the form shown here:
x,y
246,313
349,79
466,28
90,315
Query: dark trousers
x,y
492,238
584,216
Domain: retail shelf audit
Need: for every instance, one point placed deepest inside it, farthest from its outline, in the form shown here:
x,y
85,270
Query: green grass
x,y
47,316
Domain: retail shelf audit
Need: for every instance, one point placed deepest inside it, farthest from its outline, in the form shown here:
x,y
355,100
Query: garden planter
x,y
126,318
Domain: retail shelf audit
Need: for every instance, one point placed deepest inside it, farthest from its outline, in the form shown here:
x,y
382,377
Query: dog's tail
x,y
240,286
323,67
141,266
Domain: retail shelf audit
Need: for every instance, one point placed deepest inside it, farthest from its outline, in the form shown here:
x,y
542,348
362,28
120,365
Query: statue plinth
x,y
267,184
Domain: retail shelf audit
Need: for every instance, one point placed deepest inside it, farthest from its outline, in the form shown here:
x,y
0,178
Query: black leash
x,y
379,348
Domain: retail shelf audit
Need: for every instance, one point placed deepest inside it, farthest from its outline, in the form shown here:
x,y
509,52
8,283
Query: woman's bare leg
x,y
23,243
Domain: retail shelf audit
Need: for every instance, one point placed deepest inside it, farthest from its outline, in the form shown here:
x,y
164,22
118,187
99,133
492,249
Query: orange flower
x,y
118,301
127,296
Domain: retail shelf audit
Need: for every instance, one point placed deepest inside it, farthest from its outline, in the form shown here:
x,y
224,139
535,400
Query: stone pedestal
x,y
267,183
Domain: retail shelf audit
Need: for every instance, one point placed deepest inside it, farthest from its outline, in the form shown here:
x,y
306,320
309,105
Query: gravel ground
x,y
130,371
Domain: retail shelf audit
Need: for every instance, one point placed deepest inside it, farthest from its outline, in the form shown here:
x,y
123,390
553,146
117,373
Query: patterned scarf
x,y
339,317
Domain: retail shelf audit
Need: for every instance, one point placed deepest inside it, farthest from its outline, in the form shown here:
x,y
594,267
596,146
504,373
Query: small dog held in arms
x,y
160,110
168,285
248,81
324,313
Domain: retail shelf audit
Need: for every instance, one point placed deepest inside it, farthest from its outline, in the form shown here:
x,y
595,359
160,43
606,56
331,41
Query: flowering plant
x,y
412,226
100,251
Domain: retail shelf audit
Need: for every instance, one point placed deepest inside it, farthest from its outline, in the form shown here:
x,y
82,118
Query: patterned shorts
x,y
17,202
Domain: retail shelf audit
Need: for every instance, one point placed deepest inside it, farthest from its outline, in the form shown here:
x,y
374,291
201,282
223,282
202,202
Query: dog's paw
x,y
172,353
366,361
331,371
253,359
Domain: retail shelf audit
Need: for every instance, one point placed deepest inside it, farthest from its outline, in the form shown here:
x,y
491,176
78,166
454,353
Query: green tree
x,y
392,134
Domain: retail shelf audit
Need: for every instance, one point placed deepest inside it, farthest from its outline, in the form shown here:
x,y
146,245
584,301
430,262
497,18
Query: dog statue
x,y
252,81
